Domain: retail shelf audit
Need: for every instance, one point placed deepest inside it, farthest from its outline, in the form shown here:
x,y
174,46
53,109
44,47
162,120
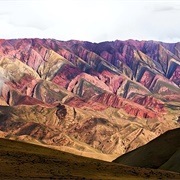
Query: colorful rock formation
x,y
102,89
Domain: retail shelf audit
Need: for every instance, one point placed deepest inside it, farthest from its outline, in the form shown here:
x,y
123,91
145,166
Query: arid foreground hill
x,y
26,161
98,100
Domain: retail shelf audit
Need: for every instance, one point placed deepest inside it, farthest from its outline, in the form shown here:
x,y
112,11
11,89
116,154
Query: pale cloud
x,y
92,20
167,8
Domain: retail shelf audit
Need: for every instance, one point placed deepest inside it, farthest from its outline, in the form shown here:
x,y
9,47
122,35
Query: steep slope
x,y
160,153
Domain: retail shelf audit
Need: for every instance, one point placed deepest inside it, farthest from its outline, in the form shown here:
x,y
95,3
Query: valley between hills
x,y
96,100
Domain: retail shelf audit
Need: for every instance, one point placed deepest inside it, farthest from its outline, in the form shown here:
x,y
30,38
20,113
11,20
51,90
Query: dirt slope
x,y
160,153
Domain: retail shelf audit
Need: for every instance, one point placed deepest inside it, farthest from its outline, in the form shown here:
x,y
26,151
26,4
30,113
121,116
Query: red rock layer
x,y
151,103
119,102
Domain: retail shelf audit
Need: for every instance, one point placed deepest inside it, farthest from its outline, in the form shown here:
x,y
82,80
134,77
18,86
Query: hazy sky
x,y
91,20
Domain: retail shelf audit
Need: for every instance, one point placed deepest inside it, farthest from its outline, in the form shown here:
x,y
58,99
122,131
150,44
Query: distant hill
x,y
160,153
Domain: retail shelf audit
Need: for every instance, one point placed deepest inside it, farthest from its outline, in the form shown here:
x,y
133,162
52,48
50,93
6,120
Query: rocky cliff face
x,y
107,90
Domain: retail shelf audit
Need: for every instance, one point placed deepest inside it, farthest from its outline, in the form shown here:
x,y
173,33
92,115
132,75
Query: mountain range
x,y
98,100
